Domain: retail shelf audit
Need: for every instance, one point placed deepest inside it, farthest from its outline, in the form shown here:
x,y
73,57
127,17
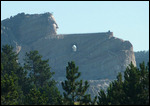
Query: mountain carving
x,y
98,55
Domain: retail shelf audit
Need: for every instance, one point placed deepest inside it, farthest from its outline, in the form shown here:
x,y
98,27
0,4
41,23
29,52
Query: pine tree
x,y
74,90
143,97
134,90
102,98
11,77
9,60
40,76
38,69
35,97
116,93
137,83
131,84
53,94
11,93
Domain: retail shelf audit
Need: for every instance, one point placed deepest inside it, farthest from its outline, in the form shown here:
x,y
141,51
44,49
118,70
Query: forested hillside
x,y
141,56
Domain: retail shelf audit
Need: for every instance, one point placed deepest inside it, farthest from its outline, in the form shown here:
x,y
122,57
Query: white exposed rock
x,y
55,27
17,48
74,48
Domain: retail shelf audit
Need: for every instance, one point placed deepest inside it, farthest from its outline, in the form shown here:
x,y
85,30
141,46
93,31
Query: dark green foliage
x,y
131,84
11,77
9,93
136,85
74,90
18,88
94,101
51,91
9,60
40,77
115,91
134,90
38,69
102,98
35,97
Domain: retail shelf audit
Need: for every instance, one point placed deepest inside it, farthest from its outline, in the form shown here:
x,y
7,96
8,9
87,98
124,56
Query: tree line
x,y
32,84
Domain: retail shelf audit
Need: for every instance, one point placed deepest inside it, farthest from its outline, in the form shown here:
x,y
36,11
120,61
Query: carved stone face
x,y
55,27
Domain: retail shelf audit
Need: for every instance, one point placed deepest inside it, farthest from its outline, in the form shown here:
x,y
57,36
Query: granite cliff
x,y
99,55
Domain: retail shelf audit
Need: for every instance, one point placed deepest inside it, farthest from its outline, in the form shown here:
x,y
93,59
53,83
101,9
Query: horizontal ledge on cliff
x,y
96,33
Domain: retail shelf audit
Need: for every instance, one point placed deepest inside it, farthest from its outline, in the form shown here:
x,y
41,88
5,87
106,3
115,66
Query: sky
x,y
128,20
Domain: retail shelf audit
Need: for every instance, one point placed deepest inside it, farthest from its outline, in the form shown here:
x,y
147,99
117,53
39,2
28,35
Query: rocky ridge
x,y
99,55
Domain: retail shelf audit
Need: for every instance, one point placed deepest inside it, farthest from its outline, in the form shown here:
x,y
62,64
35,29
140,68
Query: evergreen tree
x,y
18,88
35,97
11,77
94,102
39,75
136,85
51,91
115,91
9,60
131,84
143,97
102,98
9,90
134,90
74,90
38,69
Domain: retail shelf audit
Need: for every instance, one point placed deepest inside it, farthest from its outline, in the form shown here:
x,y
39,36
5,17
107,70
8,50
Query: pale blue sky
x,y
128,20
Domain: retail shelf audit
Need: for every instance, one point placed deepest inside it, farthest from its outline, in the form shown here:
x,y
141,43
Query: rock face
x,y
25,28
98,55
